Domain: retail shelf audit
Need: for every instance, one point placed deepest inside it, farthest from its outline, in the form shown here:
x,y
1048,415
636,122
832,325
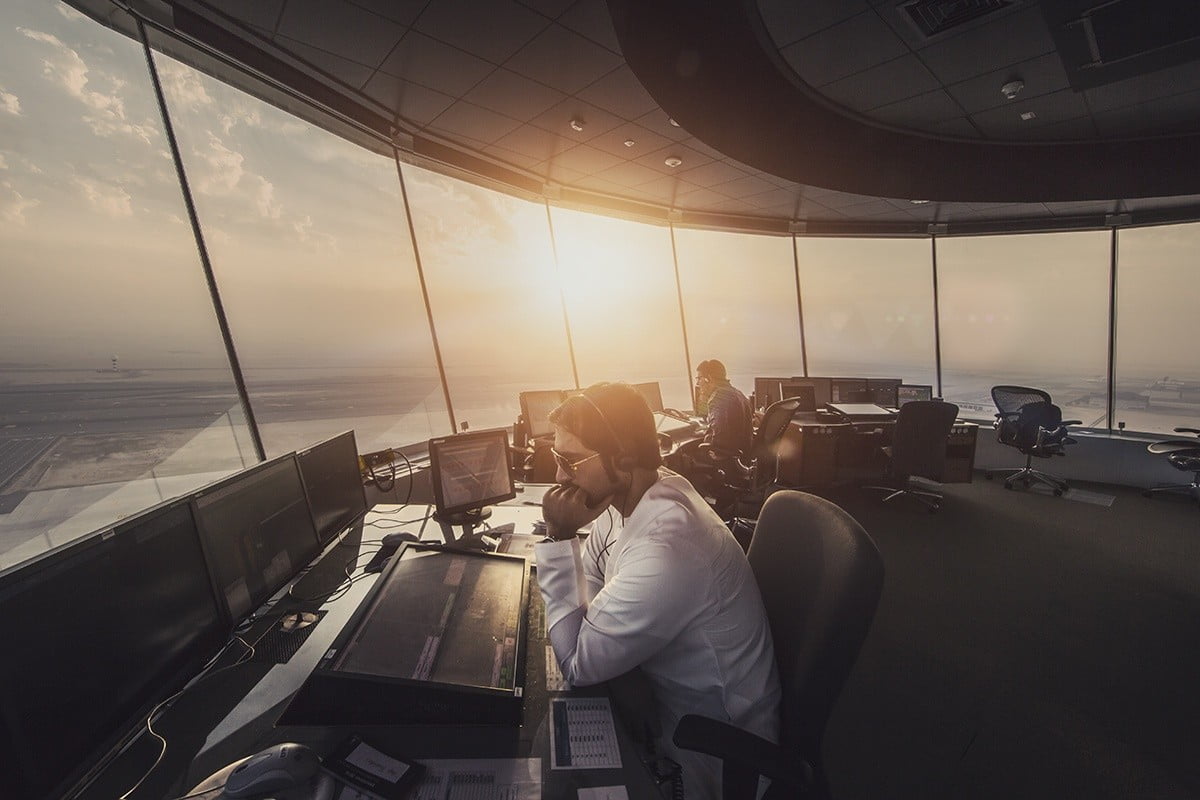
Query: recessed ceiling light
x,y
918,202
1027,115
1012,88
629,142
672,161
673,122
576,124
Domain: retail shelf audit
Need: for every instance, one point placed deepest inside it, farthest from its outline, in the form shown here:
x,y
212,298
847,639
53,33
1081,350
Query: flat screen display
x,y
806,393
95,635
333,484
536,408
822,388
882,391
651,392
257,533
848,390
470,471
766,392
907,392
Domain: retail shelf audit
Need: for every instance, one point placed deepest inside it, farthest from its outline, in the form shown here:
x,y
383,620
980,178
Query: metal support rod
x,y
562,296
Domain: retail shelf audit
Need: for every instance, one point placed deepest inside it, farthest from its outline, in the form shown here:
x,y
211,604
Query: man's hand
x,y
565,509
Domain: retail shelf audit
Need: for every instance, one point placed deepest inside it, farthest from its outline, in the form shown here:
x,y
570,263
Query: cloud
x,y
3,163
10,103
106,198
264,199
106,111
182,85
221,168
13,205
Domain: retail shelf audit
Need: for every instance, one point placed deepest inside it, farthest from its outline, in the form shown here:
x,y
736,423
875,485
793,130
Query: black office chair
x,y
1183,454
918,449
820,576
1028,421
752,471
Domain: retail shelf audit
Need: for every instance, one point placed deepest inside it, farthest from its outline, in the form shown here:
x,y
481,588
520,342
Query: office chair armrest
x,y
718,455
1188,430
742,748
1067,422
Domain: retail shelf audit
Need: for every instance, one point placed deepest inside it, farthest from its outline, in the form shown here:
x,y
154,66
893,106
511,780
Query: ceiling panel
x,y
595,121
788,21
348,72
644,141
436,65
712,173
509,93
403,11
263,14
621,93
888,82
590,18
467,119
851,46
494,30
1010,39
656,160
744,187
1142,88
412,101
534,142
563,59
628,174
1042,75
339,27
585,158
1005,122
917,112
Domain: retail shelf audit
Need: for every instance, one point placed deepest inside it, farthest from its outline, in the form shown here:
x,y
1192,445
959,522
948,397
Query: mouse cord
x,y
203,676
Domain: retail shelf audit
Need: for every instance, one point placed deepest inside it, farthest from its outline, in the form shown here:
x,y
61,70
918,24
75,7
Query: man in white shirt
x,y
661,583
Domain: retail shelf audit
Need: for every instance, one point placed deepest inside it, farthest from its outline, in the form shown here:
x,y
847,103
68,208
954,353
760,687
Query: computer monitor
x,y
821,388
652,394
470,471
333,484
95,635
842,390
806,393
882,391
257,533
907,392
766,392
536,408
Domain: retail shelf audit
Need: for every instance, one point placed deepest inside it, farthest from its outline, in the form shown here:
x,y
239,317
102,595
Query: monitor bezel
x,y
435,472
913,386
523,398
342,524
655,388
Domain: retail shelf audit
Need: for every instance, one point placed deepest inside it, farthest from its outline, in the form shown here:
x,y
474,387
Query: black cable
x,y
609,540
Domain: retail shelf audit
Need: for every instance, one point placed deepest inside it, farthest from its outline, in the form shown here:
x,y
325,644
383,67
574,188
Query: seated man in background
x,y
661,584
726,409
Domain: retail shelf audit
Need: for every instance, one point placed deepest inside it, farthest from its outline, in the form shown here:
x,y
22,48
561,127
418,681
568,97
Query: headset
x,y
622,460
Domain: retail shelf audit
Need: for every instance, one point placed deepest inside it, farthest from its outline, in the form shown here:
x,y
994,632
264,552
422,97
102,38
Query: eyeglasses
x,y
567,465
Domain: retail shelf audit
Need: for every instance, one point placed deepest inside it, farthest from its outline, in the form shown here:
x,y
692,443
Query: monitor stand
x,y
471,517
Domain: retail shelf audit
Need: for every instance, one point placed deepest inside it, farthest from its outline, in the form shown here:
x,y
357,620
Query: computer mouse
x,y
273,770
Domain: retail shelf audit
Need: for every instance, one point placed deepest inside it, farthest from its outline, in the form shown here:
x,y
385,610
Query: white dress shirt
x,y
667,589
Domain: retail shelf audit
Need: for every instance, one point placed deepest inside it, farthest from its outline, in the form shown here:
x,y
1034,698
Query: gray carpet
x,y
1026,647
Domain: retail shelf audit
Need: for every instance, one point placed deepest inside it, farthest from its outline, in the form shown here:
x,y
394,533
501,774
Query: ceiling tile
x,y
657,160
585,158
557,119
1143,88
436,65
1019,211
263,14
699,198
1067,130
1010,39
621,93
712,173
348,72
1081,209
701,147
412,101
1042,75
893,80
510,94
600,185
517,159
535,142
658,121
402,11
920,111
788,21
614,141
468,119
563,59
835,199
553,171
1178,113
667,188
1006,123
551,8
591,18
339,27
773,197
858,43
959,127
744,187
628,174
493,30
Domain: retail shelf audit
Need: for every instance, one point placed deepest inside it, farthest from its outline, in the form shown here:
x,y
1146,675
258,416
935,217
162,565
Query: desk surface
x,y
232,712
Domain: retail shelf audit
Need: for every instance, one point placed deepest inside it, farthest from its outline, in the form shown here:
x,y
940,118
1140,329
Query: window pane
x,y
739,300
490,272
868,307
1028,310
310,247
115,392
619,280
1158,372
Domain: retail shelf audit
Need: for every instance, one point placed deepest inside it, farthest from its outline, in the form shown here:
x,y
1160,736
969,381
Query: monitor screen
x,y
652,394
333,484
907,392
95,635
257,533
536,408
821,387
806,393
882,391
766,392
470,471
848,390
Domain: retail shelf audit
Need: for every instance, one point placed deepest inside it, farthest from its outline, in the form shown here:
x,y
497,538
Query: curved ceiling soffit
x,y
705,66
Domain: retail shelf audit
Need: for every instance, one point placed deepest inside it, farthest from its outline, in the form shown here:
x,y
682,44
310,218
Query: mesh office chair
x,y
1028,421
1183,454
820,576
919,449
744,473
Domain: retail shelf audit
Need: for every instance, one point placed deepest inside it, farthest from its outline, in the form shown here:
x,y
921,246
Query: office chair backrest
x,y
774,422
820,576
1010,399
919,438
